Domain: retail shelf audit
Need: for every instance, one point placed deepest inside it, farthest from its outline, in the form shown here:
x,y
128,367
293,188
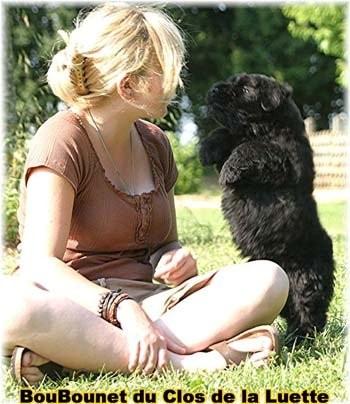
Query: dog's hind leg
x,y
310,292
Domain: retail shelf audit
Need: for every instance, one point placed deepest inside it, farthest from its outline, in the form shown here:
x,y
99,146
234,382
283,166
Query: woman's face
x,y
152,98
146,98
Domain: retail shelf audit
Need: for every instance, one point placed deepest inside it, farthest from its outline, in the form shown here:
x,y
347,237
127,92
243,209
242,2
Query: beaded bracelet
x,y
108,304
112,309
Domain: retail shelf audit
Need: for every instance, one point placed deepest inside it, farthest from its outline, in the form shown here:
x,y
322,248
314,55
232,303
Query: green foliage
x,y
12,185
195,231
11,206
325,24
223,41
31,37
188,165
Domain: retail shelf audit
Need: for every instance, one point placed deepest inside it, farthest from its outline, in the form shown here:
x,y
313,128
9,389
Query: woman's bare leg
x,y
64,332
238,297
52,326
59,329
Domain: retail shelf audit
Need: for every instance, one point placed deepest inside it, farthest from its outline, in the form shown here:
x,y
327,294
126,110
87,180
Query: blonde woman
x,y
98,224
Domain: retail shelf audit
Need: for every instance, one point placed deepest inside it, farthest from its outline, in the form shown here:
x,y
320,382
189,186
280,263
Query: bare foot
x,y
30,370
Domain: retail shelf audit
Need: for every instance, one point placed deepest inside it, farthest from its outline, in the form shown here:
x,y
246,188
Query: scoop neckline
x,y
148,153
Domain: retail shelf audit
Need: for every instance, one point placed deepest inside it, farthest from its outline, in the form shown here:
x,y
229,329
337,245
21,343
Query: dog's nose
x,y
213,92
216,90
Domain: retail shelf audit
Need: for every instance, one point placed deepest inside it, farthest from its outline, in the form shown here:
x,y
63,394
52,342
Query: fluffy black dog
x,y
266,171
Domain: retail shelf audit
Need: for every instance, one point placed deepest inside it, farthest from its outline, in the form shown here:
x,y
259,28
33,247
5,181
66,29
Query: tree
x,y
31,39
227,40
323,24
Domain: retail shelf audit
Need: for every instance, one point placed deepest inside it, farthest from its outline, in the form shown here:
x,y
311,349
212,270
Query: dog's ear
x,y
287,89
274,94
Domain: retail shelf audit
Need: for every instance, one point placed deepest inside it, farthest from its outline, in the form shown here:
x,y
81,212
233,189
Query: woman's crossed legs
x,y
236,298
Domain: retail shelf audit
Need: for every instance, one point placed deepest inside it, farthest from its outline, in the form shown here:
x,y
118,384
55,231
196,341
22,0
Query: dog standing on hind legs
x,y
266,172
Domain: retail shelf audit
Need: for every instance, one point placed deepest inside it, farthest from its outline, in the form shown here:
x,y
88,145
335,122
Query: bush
x,y
11,206
14,169
188,165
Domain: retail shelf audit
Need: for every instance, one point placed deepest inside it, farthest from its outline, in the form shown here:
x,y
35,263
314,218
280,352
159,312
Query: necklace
x,y
130,190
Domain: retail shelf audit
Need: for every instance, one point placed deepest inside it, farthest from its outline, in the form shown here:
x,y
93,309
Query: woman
x,y
98,223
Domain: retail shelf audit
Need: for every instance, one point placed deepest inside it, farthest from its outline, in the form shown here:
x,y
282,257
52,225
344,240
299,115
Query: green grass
x,y
317,366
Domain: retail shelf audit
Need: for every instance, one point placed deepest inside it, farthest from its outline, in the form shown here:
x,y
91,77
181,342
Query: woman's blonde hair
x,y
112,41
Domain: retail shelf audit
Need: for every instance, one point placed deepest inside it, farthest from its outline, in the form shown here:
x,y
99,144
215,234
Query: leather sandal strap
x,y
232,356
16,363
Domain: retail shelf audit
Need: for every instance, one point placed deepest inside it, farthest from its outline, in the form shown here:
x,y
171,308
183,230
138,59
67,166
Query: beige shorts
x,y
156,298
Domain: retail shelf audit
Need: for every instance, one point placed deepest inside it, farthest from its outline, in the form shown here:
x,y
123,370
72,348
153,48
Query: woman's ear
x,y
126,88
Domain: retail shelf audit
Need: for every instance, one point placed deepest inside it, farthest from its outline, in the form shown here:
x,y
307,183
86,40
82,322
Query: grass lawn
x,y
317,366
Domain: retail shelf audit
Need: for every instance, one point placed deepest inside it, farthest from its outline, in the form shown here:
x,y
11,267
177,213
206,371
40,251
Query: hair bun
x,y
75,62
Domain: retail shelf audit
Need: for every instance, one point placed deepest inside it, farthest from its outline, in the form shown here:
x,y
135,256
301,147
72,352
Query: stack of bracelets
x,y
109,302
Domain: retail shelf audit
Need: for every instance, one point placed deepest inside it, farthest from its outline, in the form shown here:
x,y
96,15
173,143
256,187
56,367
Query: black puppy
x,y
266,171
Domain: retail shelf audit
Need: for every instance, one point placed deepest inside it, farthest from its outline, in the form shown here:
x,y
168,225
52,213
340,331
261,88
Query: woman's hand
x,y
146,343
175,267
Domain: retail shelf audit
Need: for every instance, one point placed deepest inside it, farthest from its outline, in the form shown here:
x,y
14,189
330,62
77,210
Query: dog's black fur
x,y
266,171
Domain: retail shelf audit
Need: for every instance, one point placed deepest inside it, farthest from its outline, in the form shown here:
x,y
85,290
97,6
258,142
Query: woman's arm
x,y
49,205
171,262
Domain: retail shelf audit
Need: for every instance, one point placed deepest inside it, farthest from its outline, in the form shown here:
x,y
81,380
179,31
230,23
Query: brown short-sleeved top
x,y
112,233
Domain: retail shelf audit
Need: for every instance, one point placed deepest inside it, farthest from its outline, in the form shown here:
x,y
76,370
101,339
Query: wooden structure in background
x,y
330,152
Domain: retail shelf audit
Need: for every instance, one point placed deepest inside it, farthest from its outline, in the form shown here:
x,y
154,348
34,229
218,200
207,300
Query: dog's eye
x,y
245,90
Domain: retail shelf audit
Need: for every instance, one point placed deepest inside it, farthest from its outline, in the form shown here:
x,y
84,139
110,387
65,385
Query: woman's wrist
x,y
124,309
109,303
130,315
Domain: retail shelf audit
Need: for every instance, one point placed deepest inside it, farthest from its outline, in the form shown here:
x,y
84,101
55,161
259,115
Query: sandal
x,y
233,356
49,369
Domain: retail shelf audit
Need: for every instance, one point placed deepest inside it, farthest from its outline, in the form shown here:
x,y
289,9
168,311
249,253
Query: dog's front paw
x,y
216,148
229,174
